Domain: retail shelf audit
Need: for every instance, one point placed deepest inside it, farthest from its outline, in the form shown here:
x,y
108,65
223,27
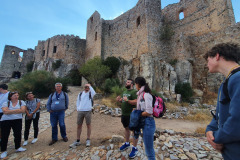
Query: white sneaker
x,y
4,155
88,142
34,140
74,144
20,149
25,143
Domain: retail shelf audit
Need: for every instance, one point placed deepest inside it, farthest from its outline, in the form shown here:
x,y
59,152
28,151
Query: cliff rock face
x,y
147,39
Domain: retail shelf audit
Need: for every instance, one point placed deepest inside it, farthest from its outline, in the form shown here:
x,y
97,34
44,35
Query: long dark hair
x,y
142,82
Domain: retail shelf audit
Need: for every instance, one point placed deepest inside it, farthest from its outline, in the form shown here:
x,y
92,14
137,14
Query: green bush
x,y
57,64
173,62
116,90
41,83
95,72
154,92
185,90
113,63
109,84
74,77
30,66
166,32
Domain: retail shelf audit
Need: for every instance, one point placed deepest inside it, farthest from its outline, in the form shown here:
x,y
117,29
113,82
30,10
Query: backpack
x,y
225,86
90,97
64,98
159,107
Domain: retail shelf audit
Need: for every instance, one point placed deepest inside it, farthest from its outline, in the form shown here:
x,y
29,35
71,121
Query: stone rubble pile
x,y
169,145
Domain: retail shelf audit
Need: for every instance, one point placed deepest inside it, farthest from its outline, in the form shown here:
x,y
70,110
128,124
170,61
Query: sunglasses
x,y
28,93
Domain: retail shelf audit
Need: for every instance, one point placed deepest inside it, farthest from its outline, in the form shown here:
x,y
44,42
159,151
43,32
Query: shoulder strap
x,y
225,84
65,99
80,94
20,103
8,104
143,94
51,97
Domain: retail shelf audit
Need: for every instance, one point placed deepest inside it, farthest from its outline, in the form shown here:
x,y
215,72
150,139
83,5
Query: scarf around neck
x,y
140,94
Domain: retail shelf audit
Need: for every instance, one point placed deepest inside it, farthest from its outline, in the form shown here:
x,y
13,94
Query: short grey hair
x,y
58,84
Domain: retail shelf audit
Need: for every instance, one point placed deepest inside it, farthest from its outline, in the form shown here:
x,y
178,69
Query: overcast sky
x,y
24,22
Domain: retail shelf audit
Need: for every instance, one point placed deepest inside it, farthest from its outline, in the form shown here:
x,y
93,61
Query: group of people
x,y
223,133
11,114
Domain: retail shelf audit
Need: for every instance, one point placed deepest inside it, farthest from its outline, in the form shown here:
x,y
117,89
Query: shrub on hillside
x,y
30,66
74,77
41,83
185,90
113,63
109,83
116,90
57,64
95,72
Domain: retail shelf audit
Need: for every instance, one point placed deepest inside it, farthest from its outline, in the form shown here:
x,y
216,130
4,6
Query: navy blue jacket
x,y
226,126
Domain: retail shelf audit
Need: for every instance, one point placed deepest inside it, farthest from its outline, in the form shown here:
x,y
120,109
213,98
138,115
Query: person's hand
x,y
210,139
119,98
30,116
125,98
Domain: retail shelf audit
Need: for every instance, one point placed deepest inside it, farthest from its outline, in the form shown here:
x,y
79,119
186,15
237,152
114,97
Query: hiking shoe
x,y
4,155
52,142
65,139
88,142
124,146
25,143
74,144
34,140
20,149
134,152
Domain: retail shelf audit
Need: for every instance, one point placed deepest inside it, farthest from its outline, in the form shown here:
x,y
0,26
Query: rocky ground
x,y
175,139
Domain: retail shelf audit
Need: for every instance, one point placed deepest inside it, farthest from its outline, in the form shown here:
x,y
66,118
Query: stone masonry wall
x,y
13,62
69,49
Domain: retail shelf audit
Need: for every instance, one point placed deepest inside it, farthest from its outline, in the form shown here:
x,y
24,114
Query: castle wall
x,y
200,16
69,49
13,62
94,36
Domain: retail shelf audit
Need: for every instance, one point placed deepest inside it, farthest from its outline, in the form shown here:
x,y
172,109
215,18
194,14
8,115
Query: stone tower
x,y
67,48
14,61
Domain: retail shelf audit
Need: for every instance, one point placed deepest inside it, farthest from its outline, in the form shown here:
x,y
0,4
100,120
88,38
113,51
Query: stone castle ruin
x,y
151,42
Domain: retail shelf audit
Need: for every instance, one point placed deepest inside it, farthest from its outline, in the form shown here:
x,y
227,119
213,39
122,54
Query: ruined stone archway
x,y
16,74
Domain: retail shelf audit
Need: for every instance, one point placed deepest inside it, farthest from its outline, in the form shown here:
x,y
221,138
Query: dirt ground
x,y
103,127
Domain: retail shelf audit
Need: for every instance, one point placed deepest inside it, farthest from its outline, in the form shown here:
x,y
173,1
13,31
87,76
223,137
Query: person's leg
x,y
0,126
127,134
35,124
125,122
27,128
88,118
61,117
17,132
148,137
54,122
5,134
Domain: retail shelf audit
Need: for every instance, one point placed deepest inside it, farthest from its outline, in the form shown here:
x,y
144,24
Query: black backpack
x,y
225,86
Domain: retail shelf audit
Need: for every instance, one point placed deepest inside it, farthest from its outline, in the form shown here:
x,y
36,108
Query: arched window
x,y
95,36
138,21
181,15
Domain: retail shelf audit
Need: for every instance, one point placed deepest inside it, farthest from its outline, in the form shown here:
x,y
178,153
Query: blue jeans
x,y
56,117
148,137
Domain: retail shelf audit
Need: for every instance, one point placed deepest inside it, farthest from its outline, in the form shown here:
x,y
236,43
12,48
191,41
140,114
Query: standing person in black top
x,y
32,114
